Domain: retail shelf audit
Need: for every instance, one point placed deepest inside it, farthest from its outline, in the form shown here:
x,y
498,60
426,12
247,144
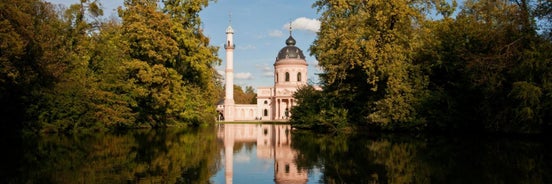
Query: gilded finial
x,y
290,27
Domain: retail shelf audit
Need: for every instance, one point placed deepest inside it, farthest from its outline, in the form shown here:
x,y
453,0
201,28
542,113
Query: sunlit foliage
x,y
429,65
364,48
66,69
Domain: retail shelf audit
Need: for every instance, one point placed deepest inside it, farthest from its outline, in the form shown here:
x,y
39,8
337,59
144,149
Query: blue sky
x,y
260,30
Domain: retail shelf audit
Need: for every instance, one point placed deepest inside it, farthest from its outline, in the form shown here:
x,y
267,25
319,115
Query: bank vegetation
x,y
481,65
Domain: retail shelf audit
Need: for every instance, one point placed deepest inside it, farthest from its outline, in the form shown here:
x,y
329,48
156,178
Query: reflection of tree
x,y
425,159
489,160
247,145
400,160
342,159
151,156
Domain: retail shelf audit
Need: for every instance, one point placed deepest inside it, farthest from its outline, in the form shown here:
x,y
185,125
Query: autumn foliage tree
x,y
67,70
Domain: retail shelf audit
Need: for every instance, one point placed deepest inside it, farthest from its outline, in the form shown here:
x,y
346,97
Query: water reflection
x,y
389,158
273,143
143,156
253,153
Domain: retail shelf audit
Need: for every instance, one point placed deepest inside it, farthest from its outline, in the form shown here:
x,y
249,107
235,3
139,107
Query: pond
x,y
267,153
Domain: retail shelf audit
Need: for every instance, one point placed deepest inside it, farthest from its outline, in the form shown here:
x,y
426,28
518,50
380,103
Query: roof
x,y
290,51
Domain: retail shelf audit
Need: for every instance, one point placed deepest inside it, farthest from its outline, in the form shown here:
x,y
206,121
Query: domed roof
x,y
290,51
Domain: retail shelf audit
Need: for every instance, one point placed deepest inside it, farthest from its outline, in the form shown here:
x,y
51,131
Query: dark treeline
x,y
64,69
484,65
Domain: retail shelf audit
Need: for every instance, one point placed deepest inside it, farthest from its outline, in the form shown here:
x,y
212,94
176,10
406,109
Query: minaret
x,y
229,99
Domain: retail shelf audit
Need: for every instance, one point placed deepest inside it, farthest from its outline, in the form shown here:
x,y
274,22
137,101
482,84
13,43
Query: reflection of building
x,y
274,102
273,142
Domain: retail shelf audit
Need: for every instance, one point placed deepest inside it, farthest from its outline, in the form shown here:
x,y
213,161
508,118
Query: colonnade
x,y
281,106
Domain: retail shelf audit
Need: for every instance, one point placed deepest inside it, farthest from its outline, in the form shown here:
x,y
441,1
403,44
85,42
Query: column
x,y
288,107
278,109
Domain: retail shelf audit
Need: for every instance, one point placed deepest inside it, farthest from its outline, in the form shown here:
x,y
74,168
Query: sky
x,y
260,30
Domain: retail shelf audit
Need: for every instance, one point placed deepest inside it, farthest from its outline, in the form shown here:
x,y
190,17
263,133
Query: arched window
x,y
266,102
276,78
299,77
287,76
265,112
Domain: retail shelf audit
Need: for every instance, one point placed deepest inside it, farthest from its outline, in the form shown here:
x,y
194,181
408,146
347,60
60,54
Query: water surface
x,y
263,153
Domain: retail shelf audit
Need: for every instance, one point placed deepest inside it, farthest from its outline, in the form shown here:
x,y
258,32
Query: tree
x,y
247,97
316,110
195,57
488,69
32,57
166,93
364,48
64,70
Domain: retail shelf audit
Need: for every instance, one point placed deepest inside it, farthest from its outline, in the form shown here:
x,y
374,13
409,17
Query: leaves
x,y
363,48
83,74
484,67
247,97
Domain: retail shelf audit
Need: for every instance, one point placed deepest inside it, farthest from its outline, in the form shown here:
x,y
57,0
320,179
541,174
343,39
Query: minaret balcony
x,y
231,46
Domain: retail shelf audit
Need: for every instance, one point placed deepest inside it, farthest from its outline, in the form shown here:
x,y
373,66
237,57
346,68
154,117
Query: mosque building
x,y
273,102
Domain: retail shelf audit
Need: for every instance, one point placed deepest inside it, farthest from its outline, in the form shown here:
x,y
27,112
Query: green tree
x,y
195,58
33,57
65,70
364,48
317,111
488,69
12,52
164,91
85,97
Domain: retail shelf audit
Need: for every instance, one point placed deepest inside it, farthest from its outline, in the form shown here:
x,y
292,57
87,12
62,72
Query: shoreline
x,y
254,122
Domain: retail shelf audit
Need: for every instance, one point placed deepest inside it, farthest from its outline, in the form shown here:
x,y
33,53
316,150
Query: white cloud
x,y
266,68
268,74
303,23
316,65
275,33
247,47
245,76
267,71
314,62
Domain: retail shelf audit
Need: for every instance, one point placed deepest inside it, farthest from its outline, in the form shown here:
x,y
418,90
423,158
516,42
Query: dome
x,y
290,41
290,51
